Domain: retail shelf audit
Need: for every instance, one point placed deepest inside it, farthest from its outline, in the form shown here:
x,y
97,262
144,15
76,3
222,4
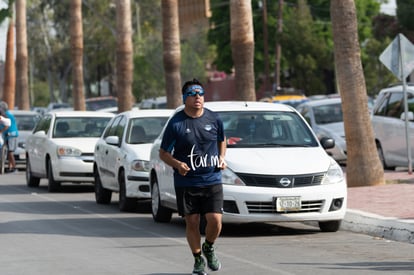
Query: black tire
x,y
203,224
31,181
330,226
125,204
3,157
102,195
53,185
159,212
382,159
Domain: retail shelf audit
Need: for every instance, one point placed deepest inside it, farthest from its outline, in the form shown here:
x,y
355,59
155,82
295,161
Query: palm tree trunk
x,y
363,164
242,46
76,47
171,52
9,68
22,81
124,55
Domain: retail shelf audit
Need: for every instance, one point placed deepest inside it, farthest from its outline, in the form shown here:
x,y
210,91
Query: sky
x,y
385,8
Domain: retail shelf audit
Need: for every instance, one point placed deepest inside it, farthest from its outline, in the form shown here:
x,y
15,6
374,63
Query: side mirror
x,y
410,116
112,140
327,143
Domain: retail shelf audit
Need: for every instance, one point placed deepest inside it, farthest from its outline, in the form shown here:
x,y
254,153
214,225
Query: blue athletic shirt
x,y
195,142
12,130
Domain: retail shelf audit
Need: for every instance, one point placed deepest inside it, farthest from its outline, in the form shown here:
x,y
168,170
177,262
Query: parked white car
x,y
122,156
326,119
277,171
61,147
388,122
26,121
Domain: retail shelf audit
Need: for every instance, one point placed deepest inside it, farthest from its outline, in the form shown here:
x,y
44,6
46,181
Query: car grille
x,y
261,207
88,157
284,181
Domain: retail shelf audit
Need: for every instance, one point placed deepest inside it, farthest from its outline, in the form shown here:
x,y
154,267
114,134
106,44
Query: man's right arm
x,y
182,167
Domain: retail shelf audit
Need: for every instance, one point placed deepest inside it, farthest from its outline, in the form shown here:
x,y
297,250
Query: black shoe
x,y
212,262
199,265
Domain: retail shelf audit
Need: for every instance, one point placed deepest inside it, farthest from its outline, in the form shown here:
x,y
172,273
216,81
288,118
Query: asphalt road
x,y
68,233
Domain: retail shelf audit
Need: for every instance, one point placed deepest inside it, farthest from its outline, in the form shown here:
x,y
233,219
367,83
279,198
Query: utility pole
x,y
265,48
278,47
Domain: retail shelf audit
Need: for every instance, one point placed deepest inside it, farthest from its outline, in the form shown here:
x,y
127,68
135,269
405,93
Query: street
x,y
68,233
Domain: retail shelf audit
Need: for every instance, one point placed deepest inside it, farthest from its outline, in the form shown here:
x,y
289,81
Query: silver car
x,y
388,122
326,119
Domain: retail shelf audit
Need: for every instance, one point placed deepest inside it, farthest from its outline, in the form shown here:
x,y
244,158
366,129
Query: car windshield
x,y
70,127
260,128
326,114
26,122
144,129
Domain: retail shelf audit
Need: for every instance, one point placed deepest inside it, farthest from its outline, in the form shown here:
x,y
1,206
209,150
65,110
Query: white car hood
x,y
86,145
277,161
139,151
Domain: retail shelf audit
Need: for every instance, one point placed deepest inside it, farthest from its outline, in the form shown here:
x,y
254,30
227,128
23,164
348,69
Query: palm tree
x,y
22,82
124,55
9,65
171,52
76,47
242,46
363,164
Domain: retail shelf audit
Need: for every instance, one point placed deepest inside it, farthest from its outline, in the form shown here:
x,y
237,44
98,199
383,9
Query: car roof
x,y
398,88
81,113
148,113
322,102
24,112
247,106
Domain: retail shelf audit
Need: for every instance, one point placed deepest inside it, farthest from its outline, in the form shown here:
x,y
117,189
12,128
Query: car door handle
x,y
106,152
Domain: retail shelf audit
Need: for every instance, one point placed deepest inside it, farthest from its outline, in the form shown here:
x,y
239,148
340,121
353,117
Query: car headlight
x,y
140,165
334,173
229,177
65,151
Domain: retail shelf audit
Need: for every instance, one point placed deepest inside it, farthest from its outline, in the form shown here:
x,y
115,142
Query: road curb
x,y
379,226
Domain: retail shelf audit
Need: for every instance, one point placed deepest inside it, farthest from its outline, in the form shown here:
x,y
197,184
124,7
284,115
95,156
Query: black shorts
x,y
199,200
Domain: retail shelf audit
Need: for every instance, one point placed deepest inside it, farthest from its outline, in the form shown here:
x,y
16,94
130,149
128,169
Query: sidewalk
x,y
384,211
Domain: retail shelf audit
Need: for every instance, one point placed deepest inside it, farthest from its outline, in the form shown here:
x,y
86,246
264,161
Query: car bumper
x,y
73,170
257,204
137,185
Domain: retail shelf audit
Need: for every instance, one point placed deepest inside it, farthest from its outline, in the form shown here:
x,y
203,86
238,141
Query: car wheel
x,y
102,195
125,204
382,159
53,185
3,158
203,224
330,226
31,181
159,212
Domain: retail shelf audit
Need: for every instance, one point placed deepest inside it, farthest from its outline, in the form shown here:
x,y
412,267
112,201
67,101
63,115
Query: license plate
x,y
22,156
287,204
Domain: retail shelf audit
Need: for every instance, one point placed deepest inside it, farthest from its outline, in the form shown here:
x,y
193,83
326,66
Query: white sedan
x,y
277,171
61,146
122,156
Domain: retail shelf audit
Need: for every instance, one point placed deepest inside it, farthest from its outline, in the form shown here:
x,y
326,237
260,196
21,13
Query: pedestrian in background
x,y
10,135
194,145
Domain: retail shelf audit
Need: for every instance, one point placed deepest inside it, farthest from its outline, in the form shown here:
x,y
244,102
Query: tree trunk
x,y
242,46
22,81
124,55
171,52
363,164
76,47
9,68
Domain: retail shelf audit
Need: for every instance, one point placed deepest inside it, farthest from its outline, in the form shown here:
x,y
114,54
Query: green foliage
x,y
40,90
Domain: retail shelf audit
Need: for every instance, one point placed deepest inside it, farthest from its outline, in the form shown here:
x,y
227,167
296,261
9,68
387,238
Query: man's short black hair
x,y
190,83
